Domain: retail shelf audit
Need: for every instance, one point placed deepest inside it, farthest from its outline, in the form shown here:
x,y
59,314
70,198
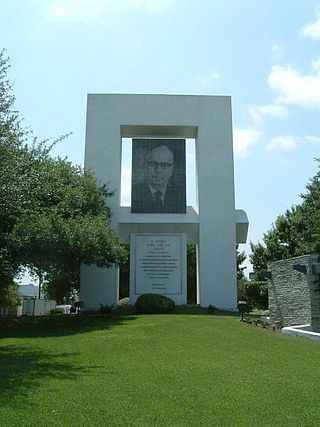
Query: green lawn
x,y
155,370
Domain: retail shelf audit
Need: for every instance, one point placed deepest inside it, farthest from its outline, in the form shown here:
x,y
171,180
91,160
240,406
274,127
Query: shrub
x,y
105,309
257,294
254,292
154,303
211,309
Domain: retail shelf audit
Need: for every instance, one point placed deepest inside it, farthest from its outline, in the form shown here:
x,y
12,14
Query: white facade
x,y
213,224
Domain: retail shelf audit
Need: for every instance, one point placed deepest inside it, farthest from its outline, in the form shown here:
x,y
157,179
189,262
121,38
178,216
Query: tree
x,y
9,296
258,257
53,215
11,184
241,257
69,223
310,216
62,286
294,233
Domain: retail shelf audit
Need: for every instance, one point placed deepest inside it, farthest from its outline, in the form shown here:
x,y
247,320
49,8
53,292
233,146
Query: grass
x,y
182,369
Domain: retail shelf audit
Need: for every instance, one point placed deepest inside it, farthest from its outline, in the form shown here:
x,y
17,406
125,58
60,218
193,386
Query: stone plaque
x,y
158,265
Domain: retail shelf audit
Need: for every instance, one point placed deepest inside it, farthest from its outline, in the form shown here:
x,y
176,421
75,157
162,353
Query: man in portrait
x,y
158,176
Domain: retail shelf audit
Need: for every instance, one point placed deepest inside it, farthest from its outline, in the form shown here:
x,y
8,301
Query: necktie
x,y
157,199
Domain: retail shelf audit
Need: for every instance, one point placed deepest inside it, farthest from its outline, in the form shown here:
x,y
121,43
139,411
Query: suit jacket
x,y
142,200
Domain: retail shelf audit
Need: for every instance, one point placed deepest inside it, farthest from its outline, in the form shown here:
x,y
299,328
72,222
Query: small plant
x,y
261,324
211,309
154,303
277,326
247,318
105,309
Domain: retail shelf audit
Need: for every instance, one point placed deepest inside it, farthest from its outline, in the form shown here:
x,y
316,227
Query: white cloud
x,y
277,51
85,10
312,139
287,143
294,87
155,6
77,9
290,142
258,112
316,65
208,79
312,30
243,139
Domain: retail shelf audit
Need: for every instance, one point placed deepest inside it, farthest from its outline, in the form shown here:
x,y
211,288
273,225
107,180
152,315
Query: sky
x,y
265,54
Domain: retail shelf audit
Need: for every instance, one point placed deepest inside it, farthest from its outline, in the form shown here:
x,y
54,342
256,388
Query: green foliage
x,y
69,223
294,233
309,216
106,310
191,274
211,309
258,257
62,286
53,215
10,128
241,289
254,292
280,242
241,257
154,303
9,295
124,274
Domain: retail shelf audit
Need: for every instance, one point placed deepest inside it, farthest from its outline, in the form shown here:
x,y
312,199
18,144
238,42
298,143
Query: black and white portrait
x,y
158,176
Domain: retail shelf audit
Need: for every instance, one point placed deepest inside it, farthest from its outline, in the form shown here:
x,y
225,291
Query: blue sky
x,y
265,54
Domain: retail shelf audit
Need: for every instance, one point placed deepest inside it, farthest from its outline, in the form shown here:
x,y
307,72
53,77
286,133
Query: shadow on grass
x,y
203,311
22,370
64,325
56,326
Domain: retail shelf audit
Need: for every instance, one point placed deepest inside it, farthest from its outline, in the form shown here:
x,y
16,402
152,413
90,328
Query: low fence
x,y
29,307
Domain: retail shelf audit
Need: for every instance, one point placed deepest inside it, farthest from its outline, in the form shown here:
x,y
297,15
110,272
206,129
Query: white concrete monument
x,y
213,224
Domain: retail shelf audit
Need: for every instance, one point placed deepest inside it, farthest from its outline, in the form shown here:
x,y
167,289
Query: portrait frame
x,y
173,198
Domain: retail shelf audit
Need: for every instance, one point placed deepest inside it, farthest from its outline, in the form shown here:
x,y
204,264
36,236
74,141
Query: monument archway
x,y
213,224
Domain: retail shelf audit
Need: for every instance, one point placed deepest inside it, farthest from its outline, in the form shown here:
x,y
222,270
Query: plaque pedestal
x,y
158,265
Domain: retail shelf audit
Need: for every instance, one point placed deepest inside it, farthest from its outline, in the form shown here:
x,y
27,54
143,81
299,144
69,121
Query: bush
x,y
254,292
154,303
105,310
257,294
211,309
